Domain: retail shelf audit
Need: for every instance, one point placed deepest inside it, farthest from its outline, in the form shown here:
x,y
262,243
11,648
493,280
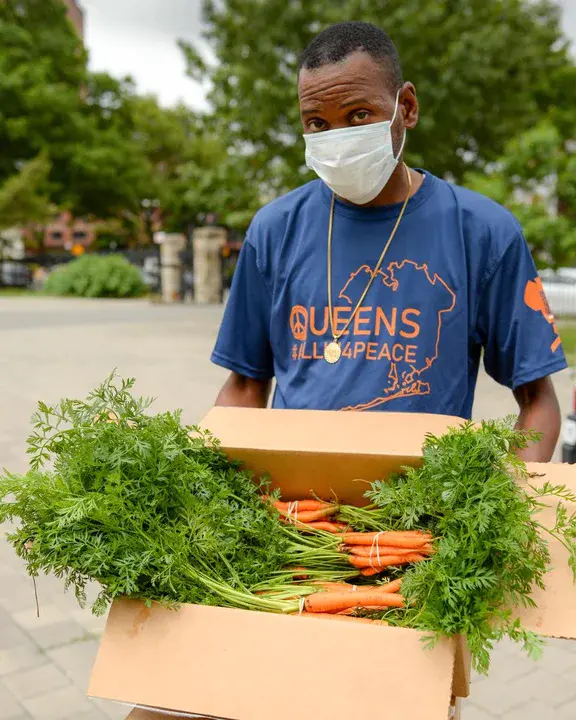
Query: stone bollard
x,y
171,245
208,243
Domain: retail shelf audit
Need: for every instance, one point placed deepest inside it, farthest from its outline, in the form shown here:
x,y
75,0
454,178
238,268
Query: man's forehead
x,y
358,73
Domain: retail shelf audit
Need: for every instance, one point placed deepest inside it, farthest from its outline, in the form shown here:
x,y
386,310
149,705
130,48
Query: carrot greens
x,y
490,551
134,502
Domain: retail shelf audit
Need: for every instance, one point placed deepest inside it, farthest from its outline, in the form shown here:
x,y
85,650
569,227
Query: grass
x,y
568,334
17,292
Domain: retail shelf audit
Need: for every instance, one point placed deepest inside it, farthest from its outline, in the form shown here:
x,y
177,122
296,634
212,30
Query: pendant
x,y
332,352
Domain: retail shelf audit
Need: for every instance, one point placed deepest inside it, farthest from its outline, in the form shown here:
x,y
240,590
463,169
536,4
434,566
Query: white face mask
x,y
355,162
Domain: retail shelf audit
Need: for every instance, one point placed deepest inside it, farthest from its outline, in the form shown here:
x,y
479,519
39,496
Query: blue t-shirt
x,y
458,278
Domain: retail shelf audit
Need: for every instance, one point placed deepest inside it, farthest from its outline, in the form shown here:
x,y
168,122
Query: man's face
x,y
353,92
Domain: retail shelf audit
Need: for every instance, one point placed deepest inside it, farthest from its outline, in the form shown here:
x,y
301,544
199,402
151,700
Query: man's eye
x,y
317,125
360,116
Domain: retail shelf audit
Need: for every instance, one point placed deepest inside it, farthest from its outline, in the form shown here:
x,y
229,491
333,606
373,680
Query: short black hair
x,y
338,41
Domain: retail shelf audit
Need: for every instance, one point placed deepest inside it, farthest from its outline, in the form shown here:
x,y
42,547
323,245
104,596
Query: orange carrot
x,y
301,505
379,550
393,539
369,572
300,573
323,525
392,586
336,601
385,536
310,504
384,561
310,516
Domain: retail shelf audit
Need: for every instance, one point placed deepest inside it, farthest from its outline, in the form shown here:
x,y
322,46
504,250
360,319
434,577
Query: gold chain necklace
x,y
333,351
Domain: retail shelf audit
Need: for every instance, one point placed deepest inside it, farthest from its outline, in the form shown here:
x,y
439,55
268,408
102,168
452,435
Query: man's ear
x,y
409,104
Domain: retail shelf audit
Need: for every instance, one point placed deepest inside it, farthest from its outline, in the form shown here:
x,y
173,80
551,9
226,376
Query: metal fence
x,y
15,274
560,290
23,273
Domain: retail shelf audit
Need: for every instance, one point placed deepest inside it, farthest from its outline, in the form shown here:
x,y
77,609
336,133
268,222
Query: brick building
x,y
76,15
66,232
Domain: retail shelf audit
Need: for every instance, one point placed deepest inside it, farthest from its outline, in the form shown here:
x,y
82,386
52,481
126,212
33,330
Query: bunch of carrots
x,y
372,553
310,515
344,600
366,554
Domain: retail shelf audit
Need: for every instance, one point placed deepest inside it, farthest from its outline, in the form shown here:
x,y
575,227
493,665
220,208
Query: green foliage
x,y
479,81
50,103
21,201
194,171
95,276
551,238
213,180
536,179
42,65
490,553
133,501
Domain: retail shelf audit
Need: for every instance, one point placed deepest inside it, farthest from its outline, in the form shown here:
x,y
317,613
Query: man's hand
x,y
240,391
539,410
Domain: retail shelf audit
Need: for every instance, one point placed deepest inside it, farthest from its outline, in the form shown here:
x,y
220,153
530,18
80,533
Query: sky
x,y
138,38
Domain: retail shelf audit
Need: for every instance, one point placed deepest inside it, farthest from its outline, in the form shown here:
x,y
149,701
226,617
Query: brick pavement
x,y
51,348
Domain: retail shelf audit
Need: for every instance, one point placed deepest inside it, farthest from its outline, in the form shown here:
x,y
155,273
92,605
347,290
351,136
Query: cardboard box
x,y
241,665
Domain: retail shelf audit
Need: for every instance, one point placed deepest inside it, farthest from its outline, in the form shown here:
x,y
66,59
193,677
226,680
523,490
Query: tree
x,y
194,172
50,103
213,180
484,71
22,201
21,198
42,66
536,179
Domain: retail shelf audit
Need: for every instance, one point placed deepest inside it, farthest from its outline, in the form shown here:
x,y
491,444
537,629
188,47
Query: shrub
x,y
95,276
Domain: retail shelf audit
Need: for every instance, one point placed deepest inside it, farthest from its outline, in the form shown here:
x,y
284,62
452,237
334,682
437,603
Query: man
x,y
378,287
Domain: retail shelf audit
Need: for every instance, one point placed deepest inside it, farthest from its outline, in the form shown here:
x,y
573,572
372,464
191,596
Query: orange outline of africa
x,y
410,383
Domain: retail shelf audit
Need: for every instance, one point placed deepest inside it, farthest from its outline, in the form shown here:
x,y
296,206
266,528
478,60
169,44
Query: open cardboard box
x,y
241,665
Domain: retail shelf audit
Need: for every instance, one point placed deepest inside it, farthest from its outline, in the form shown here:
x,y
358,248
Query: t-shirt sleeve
x,y
517,329
243,343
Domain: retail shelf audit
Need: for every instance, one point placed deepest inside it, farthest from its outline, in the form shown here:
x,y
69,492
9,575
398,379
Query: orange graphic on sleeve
x,y
535,299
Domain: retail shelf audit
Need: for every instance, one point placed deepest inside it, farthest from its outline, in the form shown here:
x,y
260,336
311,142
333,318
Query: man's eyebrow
x,y
348,103
310,111
356,101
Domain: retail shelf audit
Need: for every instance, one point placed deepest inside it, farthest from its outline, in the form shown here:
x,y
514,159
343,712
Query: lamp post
x,y
149,207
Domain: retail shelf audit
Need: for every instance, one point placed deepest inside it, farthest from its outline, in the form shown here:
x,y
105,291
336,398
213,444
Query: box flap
x,y
244,665
323,450
325,431
555,614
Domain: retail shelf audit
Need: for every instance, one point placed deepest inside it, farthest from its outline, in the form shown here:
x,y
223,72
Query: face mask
x,y
356,162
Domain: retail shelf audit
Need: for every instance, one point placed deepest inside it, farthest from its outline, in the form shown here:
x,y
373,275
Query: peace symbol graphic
x,y
299,322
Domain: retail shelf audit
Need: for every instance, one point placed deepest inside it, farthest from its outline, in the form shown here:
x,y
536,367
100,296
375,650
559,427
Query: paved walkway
x,y
51,349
